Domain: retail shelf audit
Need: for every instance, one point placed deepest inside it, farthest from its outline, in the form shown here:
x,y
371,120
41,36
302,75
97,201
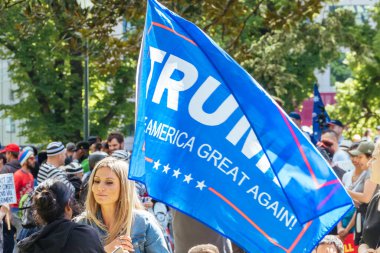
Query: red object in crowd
x,y
349,245
11,148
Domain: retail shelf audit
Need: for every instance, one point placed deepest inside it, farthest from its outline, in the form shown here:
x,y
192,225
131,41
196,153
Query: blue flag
x,y
212,143
320,116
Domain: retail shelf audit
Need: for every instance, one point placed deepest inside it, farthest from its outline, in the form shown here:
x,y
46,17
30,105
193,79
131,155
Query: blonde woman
x,y
113,209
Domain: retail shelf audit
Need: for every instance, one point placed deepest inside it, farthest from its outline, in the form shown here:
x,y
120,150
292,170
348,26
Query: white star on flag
x,y
313,115
156,165
166,168
201,185
316,99
176,173
188,178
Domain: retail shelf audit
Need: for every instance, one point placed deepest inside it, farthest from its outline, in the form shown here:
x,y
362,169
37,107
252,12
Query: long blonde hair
x,y
128,199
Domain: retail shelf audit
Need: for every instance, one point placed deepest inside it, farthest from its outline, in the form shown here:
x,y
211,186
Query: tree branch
x,y
217,18
234,42
8,4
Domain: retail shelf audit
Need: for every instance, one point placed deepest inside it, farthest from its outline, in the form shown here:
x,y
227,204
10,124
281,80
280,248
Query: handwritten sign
x,y
7,189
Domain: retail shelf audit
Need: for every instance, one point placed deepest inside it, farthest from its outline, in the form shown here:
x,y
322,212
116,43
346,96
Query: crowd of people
x,y
78,198
356,163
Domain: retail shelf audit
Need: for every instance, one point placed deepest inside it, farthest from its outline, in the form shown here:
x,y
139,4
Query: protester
x,y
56,154
105,147
23,180
204,248
81,153
70,149
11,154
371,227
337,126
3,161
363,155
53,203
296,117
23,177
93,159
113,209
95,143
115,141
74,172
329,141
329,244
358,185
328,157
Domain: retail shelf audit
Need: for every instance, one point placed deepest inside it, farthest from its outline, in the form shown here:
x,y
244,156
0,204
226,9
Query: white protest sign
x,y
7,189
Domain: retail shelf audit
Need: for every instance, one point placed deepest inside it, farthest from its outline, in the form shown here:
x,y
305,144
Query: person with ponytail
x,y
114,210
53,204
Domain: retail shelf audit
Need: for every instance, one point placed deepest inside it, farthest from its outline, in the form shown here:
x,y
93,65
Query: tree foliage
x,y
358,97
277,41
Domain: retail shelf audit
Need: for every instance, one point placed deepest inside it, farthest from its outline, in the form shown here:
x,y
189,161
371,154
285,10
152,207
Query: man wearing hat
x,y
337,126
11,154
70,149
296,118
364,188
24,182
81,154
74,172
23,177
56,154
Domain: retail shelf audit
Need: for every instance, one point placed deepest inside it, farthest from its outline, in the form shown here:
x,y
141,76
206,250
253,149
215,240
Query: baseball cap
x,y
91,140
11,148
70,146
335,122
82,145
295,115
365,147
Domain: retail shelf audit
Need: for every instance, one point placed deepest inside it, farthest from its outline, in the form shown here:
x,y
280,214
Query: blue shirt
x,y
146,234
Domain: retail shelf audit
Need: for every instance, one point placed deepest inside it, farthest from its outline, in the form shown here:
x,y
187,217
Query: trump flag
x,y
212,143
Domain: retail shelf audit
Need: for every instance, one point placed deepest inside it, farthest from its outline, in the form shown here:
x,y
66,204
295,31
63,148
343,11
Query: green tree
x,y
358,97
45,42
275,40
